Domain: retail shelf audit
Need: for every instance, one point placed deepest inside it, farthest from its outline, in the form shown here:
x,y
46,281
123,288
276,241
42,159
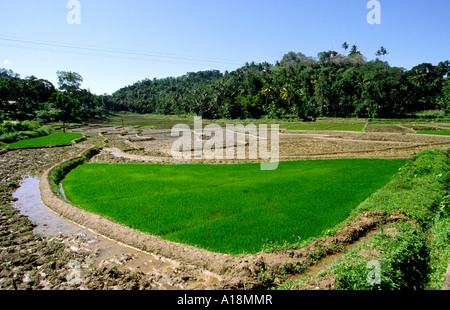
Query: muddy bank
x,y
271,269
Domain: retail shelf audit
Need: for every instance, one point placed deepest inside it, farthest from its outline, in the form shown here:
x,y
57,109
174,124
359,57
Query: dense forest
x,y
297,86
36,99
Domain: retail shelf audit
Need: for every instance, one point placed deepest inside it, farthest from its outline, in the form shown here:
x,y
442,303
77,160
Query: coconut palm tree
x,y
266,91
345,46
287,93
381,52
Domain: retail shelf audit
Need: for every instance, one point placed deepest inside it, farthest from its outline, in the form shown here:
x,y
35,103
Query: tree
x,y
67,106
381,52
287,93
339,60
293,60
426,82
444,69
356,59
354,50
69,82
290,59
266,91
326,56
345,46
336,86
444,102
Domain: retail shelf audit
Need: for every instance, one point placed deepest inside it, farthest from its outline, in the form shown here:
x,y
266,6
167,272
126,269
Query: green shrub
x,y
9,137
440,240
441,231
16,131
8,127
60,172
403,259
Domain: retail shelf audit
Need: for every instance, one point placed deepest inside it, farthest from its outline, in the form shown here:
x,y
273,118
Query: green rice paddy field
x,y
348,126
435,132
57,138
231,209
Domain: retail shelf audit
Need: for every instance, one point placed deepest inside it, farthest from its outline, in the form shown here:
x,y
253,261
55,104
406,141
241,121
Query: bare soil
x,y
399,142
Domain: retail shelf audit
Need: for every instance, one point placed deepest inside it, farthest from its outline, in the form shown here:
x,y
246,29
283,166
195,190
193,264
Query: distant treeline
x,y
297,86
36,99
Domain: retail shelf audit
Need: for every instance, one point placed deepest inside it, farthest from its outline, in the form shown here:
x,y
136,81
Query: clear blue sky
x,y
121,42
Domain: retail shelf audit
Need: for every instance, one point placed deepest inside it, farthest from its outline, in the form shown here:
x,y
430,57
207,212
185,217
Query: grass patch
x,y
229,208
146,127
326,126
143,121
57,138
435,132
416,189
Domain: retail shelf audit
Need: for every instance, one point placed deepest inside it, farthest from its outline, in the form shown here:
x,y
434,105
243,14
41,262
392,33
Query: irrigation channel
x,y
106,251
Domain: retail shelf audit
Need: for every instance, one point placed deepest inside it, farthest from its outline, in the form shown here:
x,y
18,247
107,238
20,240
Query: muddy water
x,y
106,251
115,154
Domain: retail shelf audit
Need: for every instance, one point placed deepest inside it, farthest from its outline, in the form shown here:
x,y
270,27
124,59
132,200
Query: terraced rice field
x,y
57,138
231,209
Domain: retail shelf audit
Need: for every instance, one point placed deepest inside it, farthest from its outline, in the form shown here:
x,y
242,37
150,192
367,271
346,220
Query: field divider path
x,y
410,130
135,157
446,286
